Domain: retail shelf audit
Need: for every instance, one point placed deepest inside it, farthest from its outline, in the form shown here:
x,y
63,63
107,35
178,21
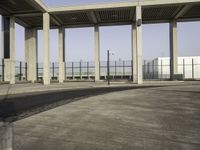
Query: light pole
x,y
108,66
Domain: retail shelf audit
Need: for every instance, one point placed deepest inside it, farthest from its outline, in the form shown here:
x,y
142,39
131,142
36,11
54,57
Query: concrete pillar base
x,y
6,136
61,72
9,71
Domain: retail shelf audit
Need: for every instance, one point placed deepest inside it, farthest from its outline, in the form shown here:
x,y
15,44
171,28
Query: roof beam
x,y
92,7
22,23
55,20
182,11
27,14
5,10
38,4
166,2
93,17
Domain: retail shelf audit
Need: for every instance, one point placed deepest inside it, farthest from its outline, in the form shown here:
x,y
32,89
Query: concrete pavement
x,y
159,118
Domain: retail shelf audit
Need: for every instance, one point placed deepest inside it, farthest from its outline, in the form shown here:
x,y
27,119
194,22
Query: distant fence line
x,y
118,70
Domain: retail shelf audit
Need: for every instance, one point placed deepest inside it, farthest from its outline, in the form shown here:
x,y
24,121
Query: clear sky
x,y
80,41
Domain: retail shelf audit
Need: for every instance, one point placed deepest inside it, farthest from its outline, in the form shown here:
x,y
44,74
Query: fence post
x,y
65,71
123,69
161,67
2,69
184,68
88,75
73,70
26,73
115,69
148,70
53,69
153,68
144,69
80,70
20,71
192,68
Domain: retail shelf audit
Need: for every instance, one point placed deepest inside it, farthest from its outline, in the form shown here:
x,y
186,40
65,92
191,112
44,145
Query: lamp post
x,y
108,65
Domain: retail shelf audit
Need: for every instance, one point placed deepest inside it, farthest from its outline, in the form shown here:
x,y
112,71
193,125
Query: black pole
x,y
37,71
26,73
123,69
73,70
3,70
53,70
80,71
108,67
88,69
192,68
20,71
115,69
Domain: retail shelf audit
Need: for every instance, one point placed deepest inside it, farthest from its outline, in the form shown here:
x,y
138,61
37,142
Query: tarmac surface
x,y
118,118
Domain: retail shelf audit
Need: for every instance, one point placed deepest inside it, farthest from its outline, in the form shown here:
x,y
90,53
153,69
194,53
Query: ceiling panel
x,y
74,18
193,12
114,15
160,13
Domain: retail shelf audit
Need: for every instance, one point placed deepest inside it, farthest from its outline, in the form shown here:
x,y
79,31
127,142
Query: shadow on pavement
x,y
17,107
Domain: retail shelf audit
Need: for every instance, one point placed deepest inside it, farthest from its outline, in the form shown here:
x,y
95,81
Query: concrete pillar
x,y
31,53
134,53
173,49
6,136
8,29
97,54
61,54
46,47
138,46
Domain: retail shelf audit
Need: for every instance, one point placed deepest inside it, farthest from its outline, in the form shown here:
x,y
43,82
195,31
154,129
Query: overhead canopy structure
x,y
34,15
29,12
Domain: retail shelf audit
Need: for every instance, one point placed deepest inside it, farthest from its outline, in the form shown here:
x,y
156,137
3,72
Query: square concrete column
x,y
6,136
31,53
138,46
173,49
8,45
46,47
134,53
97,53
61,54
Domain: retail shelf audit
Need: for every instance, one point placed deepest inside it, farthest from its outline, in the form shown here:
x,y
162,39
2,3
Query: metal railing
x,y
160,69
188,69
20,71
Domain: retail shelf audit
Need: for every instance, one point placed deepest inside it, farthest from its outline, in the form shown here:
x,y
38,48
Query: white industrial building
x,y
159,68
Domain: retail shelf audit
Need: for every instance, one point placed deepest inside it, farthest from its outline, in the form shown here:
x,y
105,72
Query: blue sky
x,y
80,41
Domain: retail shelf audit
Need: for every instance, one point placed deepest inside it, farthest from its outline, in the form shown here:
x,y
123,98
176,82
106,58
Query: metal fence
x,y
160,69
80,70
152,70
20,71
118,69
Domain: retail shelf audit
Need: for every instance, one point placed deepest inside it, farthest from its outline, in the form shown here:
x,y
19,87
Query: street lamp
x,y
108,66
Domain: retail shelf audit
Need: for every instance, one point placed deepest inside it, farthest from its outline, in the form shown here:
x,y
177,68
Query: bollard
x,y
6,136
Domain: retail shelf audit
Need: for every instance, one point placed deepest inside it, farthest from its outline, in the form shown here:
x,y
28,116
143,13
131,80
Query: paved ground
x,y
6,89
159,118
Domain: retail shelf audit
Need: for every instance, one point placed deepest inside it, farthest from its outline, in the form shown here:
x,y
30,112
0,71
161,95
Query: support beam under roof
x,y
93,17
182,11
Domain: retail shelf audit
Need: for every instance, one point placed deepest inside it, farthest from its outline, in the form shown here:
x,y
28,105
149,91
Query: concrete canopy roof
x,y
29,12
